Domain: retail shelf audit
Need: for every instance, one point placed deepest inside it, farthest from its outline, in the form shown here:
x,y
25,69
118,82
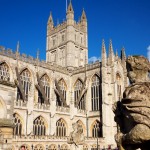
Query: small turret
x,y
50,22
70,13
103,53
111,53
83,19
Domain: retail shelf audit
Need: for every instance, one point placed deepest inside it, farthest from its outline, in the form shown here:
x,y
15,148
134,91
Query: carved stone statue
x,y
132,113
76,137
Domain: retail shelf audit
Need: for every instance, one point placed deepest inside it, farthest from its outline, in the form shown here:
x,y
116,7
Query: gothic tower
x,y
67,42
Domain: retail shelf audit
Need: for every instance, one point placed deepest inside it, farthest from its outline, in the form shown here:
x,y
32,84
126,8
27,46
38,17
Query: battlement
x,y
31,60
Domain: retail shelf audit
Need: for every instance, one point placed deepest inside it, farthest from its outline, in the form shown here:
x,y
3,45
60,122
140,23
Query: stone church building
x,y
40,100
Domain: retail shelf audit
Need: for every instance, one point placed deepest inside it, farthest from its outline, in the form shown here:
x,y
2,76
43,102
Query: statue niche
x,y
132,113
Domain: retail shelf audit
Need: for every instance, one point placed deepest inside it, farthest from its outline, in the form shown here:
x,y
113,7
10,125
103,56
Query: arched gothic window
x,y
38,147
60,128
95,93
77,90
52,147
118,80
25,78
46,84
4,72
63,89
96,129
39,128
64,147
17,130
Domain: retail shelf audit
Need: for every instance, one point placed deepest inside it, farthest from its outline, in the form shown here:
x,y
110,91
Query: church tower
x,y
67,42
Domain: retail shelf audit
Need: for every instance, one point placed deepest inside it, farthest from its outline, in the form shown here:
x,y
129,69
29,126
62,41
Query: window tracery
x,y
77,90
96,129
25,78
63,88
39,127
46,85
60,128
95,93
17,130
4,72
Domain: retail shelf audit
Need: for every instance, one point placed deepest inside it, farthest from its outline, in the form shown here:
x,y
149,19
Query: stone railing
x,y
38,138
20,103
41,106
80,111
63,109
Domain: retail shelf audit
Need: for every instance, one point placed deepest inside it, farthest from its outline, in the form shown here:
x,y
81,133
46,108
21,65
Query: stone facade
x,y
71,91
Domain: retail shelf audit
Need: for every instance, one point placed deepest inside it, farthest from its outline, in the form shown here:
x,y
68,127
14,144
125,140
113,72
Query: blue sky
x,y
126,22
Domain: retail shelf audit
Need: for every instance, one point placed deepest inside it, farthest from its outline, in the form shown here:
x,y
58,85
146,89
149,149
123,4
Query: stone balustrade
x,y
41,106
20,103
63,109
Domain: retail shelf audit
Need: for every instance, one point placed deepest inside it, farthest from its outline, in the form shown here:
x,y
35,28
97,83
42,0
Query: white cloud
x,y
148,52
94,59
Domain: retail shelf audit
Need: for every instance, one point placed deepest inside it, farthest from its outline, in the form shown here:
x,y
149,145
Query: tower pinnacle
x,y
111,53
50,20
70,8
83,16
103,53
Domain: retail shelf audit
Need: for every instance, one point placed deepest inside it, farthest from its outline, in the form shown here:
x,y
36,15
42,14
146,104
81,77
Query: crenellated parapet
x,y
29,59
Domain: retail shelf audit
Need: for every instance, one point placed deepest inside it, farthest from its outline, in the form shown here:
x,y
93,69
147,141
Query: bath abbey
x,y
41,100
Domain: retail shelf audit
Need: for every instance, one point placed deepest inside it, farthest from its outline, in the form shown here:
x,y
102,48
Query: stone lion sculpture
x,y
76,136
132,113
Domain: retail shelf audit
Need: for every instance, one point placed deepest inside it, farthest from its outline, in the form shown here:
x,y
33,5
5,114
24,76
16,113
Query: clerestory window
x,y
95,93
77,90
46,85
4,72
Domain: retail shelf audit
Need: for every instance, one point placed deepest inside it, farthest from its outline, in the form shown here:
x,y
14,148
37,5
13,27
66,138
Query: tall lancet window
x,y
118,81
77,90
46,84
63,88
4,72
96,132
25,78
39,127
60,128
17,130
95,93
